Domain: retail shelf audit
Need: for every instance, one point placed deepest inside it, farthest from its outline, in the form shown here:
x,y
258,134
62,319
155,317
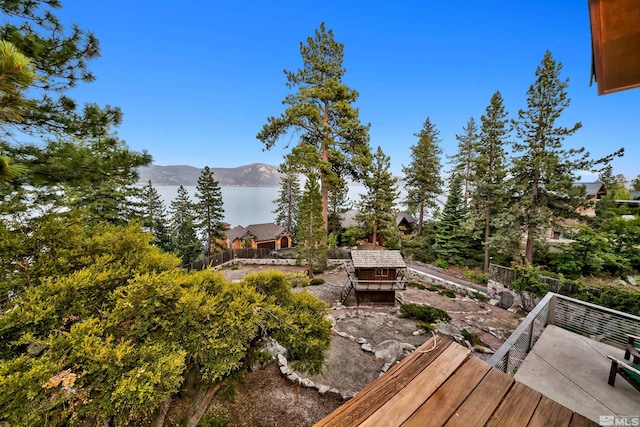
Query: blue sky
x,y
197,80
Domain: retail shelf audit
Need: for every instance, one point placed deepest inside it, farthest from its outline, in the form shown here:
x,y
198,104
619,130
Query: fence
x,y
226,256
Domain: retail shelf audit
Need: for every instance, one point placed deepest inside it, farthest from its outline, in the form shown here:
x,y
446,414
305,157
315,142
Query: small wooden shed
x,y
377,275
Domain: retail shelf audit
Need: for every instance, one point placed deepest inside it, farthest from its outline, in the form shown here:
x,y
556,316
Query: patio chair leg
x,y
613,372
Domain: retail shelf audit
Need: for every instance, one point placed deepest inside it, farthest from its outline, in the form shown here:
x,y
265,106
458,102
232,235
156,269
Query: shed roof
x,y
377,258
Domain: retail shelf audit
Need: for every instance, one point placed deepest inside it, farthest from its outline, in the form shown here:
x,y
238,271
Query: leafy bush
x,y
434,288
469,274
235,267
416,285
424,313
482,278
316,281
440,263
528,280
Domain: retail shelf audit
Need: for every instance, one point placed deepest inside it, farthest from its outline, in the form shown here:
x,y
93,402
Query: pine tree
x,y
377,207
452,240
490,169
209,208
332,139
465,156
155,218
60,59
339,203
543,171
422,175
288,200
311,233
183,230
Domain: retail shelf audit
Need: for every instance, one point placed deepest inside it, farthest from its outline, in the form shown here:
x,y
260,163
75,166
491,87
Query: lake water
x,y
244,205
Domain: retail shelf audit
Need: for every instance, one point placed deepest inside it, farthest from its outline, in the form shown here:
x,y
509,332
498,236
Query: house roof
x,y
406,216
441,383
592,188
377,258
266,231
235,233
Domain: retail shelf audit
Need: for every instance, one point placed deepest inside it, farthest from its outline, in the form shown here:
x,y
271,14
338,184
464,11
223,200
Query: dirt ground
x,y
266,398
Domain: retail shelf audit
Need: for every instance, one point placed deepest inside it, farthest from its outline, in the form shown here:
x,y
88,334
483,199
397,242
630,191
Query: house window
x,y
382,272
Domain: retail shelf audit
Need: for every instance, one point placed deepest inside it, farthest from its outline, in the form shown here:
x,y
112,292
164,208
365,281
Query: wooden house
x,y
376,275
258,236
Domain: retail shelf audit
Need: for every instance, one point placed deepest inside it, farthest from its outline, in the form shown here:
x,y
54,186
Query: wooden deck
x,y
443,385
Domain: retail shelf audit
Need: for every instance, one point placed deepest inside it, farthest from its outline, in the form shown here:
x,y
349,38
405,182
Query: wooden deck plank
x,y
550,413
517,407
379,391
437,410
483,401
400,407
578,420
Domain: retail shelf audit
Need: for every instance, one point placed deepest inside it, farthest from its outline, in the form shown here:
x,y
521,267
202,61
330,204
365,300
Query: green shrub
x,y
235,267
440,263
424,313
316,281
469,274
482,278
434,288
416,285
447,293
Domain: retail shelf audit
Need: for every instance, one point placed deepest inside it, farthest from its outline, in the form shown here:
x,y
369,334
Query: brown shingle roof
x,y
374,259
266,231
235,233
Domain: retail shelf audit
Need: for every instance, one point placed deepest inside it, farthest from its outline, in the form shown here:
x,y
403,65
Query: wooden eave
x,y
615,40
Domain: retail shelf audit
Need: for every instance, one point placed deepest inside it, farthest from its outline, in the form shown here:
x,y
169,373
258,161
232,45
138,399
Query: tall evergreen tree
x,y
311,233
377,207
97,174
544,171
154,217
322,112
339,203
209,208
422,175
490,169
452,238
288,200
465,156
183,230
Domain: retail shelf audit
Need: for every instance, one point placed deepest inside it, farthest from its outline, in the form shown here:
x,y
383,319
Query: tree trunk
x,y
201,402
421,219
486,242
375,235
161,413
324,187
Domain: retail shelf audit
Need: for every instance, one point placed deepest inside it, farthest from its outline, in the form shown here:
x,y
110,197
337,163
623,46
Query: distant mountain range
x,y
253,175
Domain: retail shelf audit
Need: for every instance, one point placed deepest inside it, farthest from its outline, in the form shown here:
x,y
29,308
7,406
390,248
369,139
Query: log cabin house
x,y
376,275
